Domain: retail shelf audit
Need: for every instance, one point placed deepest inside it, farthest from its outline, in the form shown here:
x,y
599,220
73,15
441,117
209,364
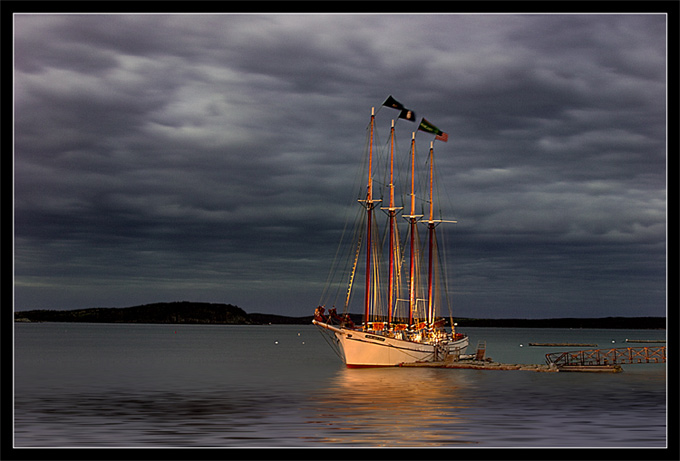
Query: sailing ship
x,y
402,322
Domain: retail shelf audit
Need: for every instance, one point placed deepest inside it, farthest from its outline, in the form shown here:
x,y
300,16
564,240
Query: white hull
x,y
366,349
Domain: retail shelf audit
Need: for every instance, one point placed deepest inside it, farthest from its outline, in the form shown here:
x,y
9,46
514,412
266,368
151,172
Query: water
x,y
103,385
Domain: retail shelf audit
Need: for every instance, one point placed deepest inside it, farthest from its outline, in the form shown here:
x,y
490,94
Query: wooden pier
x,y
593,360
607,357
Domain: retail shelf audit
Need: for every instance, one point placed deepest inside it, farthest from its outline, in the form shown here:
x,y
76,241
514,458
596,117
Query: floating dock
x,y
490,365
472,364
645,340
592,368
563,344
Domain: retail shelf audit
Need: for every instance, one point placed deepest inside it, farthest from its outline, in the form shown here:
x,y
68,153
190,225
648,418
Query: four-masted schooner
x,y
393,337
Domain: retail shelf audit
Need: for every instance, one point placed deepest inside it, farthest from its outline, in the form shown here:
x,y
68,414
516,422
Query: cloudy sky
x,y
213,157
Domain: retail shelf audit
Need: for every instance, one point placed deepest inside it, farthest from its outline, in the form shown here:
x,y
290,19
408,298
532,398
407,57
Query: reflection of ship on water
x,y
393,408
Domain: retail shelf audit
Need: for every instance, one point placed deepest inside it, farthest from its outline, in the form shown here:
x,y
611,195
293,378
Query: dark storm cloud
x,y
212,157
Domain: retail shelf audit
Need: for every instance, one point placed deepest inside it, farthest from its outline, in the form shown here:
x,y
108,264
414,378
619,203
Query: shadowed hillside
x,y
176,312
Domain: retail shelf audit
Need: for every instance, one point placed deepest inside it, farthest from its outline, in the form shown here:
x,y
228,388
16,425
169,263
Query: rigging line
x,y
384,155
332,275
340,270
397,263
420,313
334,264
360,194
356,240
376,273
351,261
380,107
333,345
351,277
336,268
401,176
441,250
441,204
439,282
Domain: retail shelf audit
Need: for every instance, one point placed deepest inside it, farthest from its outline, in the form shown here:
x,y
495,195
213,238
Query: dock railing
x,y
616,356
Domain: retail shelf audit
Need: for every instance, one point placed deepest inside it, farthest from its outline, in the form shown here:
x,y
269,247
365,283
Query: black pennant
x,y
406,114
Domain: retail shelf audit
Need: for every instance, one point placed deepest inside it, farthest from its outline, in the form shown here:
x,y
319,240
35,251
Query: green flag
x,y
430,128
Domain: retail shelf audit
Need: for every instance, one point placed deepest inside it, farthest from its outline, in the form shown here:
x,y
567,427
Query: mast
x,y
430,226
412,220
369,211
392,214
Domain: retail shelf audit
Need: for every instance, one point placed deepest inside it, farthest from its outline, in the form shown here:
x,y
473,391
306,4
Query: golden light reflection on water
x,y
394,407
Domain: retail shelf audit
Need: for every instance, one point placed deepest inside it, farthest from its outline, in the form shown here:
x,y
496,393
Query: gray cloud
x,y
215,157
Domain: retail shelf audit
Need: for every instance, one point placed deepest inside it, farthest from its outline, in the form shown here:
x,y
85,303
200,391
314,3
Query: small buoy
x,y
303,342
276,342
613,341
521,345
298,334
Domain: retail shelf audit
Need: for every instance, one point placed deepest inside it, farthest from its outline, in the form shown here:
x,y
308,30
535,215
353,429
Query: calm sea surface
x,y
123,385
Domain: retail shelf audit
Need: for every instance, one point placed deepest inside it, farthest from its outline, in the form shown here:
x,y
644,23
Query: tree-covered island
x,y
227,314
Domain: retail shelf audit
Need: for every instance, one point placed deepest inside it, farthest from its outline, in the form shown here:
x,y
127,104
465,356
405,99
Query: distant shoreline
x,y
186,312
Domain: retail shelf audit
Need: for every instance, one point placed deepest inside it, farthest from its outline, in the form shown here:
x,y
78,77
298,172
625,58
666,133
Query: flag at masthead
x,y
406,114
430,128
